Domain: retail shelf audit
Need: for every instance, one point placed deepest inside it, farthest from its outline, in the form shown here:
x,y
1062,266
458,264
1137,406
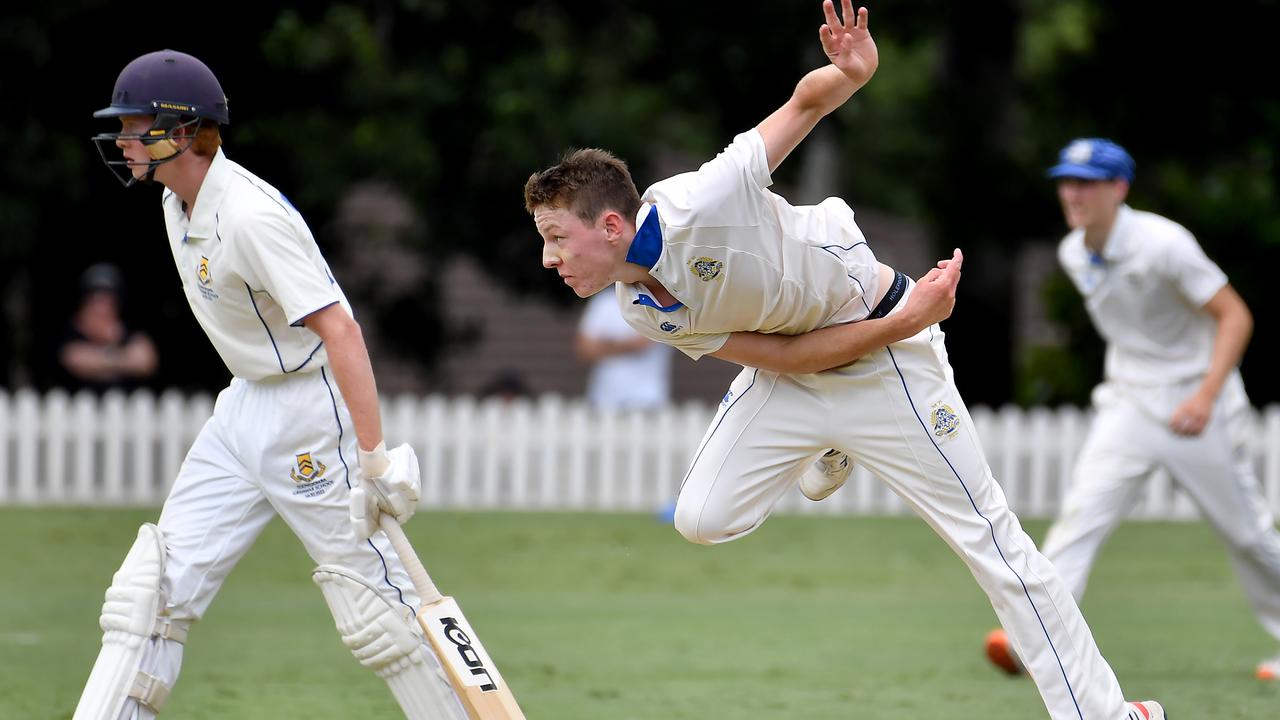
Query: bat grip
x,y
417,573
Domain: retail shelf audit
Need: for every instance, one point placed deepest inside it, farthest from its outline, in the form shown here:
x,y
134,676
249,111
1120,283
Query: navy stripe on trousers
x,y
993,531
386,574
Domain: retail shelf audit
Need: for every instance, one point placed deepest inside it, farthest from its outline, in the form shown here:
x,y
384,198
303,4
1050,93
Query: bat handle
x,y
417,573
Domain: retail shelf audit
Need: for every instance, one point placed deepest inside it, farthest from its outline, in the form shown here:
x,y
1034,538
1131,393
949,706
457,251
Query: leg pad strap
x,y
386,640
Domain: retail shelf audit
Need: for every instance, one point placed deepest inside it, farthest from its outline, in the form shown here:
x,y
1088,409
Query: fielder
x,y
1172,397
296,433
715,264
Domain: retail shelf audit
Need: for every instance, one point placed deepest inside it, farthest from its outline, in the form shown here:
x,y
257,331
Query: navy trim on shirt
x,y
279,360
301,322
646,246
647,301
262,190
274,346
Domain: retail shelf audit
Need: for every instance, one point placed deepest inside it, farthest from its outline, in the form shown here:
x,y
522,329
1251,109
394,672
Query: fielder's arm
x,y
854,60
349,360
931,301
1235,327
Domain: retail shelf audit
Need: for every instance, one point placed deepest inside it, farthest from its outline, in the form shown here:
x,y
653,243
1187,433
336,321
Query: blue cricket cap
x,y
1093,159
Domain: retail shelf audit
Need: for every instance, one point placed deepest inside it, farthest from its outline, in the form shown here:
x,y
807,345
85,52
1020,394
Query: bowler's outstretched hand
x,y
848,42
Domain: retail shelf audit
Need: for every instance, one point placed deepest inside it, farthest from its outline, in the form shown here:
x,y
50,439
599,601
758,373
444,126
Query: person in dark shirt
x,y
98,351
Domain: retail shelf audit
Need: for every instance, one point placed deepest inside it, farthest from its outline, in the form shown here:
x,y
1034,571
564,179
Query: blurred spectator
x,y
629,371
98,351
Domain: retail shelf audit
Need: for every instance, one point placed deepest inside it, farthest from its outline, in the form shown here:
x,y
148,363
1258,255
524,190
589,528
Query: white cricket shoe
x,y
1146,710
1269,669
826,475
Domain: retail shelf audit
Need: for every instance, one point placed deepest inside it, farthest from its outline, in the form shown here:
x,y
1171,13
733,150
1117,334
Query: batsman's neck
x,y
184,176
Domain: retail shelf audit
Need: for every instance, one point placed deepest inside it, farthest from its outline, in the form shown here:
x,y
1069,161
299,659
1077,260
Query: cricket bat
x,y
470,670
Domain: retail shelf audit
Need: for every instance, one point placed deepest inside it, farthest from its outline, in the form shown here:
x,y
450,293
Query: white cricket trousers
x,y
897,412
282,446
1129,439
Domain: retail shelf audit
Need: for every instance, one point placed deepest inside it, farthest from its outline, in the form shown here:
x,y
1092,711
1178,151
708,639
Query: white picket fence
x,y
547,454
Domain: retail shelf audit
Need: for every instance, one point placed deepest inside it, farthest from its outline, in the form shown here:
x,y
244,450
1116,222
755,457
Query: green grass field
x,y
616,617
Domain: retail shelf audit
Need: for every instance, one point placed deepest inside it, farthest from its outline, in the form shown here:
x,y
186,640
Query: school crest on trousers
x,y
944,419
308,470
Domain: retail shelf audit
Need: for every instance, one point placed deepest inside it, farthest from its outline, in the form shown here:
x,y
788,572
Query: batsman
x,y
842,357
297,433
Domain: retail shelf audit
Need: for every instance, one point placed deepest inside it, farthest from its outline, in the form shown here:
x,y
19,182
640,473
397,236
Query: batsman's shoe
x,y
1269,669
826,475
1001,653
1146,710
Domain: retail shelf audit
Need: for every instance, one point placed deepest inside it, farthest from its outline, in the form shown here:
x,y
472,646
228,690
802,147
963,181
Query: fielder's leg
x,y
1109,475
388,641
1221,481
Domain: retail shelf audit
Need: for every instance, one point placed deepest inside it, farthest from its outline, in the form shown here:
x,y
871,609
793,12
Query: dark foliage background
x,y
455,103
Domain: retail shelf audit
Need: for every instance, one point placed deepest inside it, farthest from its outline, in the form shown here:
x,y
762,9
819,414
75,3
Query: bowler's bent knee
x,y
702,524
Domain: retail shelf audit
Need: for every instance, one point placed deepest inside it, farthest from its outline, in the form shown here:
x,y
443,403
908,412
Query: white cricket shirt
x,y
1145,293
740,258
628,381
251,271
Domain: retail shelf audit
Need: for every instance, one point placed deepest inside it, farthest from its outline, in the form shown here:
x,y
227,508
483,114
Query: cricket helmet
x,y
178,90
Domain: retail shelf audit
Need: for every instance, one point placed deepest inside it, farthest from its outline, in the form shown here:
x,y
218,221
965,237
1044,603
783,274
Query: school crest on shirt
x,y
205,279
705,268
308,470
945,421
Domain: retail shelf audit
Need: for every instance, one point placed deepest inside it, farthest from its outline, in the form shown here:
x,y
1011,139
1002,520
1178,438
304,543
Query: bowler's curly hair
x,y
586,182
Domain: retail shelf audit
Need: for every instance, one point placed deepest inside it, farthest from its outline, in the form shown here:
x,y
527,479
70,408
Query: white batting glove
x,y
390,481
364,512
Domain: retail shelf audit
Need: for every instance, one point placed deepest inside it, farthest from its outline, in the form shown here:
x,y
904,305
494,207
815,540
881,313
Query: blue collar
x,y
646,246
642,299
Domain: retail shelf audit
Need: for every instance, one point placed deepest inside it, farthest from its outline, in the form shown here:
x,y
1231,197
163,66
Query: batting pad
x,y
131,617
388,643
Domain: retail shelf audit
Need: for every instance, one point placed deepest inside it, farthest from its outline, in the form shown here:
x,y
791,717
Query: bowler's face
x,y
1086,203
579,252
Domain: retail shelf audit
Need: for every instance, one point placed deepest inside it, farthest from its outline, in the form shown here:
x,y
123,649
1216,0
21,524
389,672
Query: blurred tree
x,y
1064,373
454,104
